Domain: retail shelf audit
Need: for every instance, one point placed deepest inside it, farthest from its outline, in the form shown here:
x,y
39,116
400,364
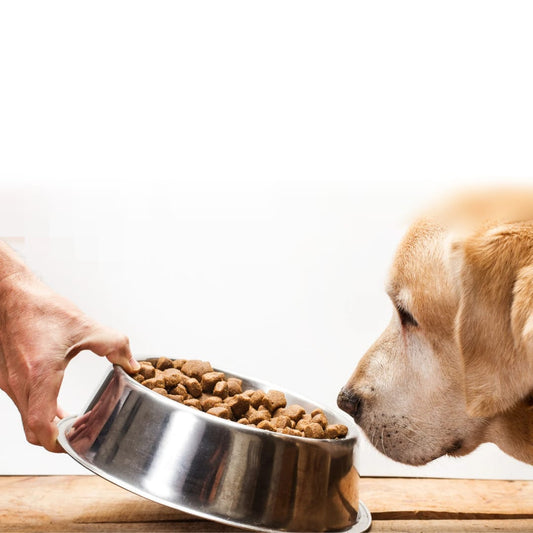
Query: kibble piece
x,y
304,421
147,369
254,416
243,421
180,389
139,377
321,419
153,383
294,412
196,368
336,431
274,399
221,389
172,377
249,392
290,431
210,379
193,402
209,401
239,404
163,363
222,411
177,397
193,387
160,391
266,424
281,422
314,431
256,398
316,411
178,363
234,386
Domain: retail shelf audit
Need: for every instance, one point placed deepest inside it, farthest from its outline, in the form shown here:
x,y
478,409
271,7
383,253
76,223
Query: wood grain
x,y
400,498
89,503
451,526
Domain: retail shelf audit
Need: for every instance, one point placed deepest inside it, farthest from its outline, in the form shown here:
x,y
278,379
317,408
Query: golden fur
x,y
462,374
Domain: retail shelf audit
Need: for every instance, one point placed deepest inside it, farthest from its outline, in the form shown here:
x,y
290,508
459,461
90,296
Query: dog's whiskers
x,y
383,440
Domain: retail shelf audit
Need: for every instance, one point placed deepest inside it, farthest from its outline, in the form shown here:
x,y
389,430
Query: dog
x,y
454,367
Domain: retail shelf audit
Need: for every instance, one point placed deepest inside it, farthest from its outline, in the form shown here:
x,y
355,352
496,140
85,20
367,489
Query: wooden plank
x,y
510,525
200,526
86,503
404,498
89,503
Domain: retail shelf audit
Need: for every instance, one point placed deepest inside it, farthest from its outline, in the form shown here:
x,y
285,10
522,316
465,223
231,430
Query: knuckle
x,y
122,342
34,421
31,438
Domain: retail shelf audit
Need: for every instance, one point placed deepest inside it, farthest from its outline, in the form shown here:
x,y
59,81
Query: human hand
x,y
40,332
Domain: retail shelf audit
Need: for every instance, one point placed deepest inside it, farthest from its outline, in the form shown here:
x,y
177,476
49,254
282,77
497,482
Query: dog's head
x,y
456,360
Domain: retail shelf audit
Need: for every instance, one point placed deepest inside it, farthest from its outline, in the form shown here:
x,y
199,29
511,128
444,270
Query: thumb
x,y
107,343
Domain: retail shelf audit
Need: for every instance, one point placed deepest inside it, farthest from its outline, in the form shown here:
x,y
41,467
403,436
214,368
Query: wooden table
x,y
89,503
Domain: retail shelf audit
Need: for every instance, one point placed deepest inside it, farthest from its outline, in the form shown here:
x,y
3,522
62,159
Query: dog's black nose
x,y
350,402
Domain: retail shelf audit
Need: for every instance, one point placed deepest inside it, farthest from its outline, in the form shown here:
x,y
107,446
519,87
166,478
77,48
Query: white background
x,y
229,180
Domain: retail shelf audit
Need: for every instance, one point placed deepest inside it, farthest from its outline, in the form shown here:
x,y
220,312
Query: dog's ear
x,y
494,324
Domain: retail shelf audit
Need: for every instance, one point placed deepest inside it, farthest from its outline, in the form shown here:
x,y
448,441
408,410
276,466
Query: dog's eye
x,y
406,318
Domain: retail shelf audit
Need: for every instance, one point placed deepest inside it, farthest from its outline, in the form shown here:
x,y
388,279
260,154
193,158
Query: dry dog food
x,y
195,384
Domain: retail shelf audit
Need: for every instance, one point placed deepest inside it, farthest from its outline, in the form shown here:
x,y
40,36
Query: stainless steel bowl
x,y
215,468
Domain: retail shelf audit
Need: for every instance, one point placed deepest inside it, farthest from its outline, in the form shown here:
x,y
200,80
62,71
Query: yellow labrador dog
x,y
454,368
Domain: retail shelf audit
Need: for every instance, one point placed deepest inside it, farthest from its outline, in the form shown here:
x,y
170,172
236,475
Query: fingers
x,y
21,406
20,400
34,391
37,404
107,343
40,420
34,388
42,409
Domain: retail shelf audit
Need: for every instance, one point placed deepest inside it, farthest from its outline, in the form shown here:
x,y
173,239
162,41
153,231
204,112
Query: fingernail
x,y
134,364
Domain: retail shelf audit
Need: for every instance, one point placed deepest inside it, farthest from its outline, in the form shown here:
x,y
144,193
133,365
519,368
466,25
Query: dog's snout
x,y
350,402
